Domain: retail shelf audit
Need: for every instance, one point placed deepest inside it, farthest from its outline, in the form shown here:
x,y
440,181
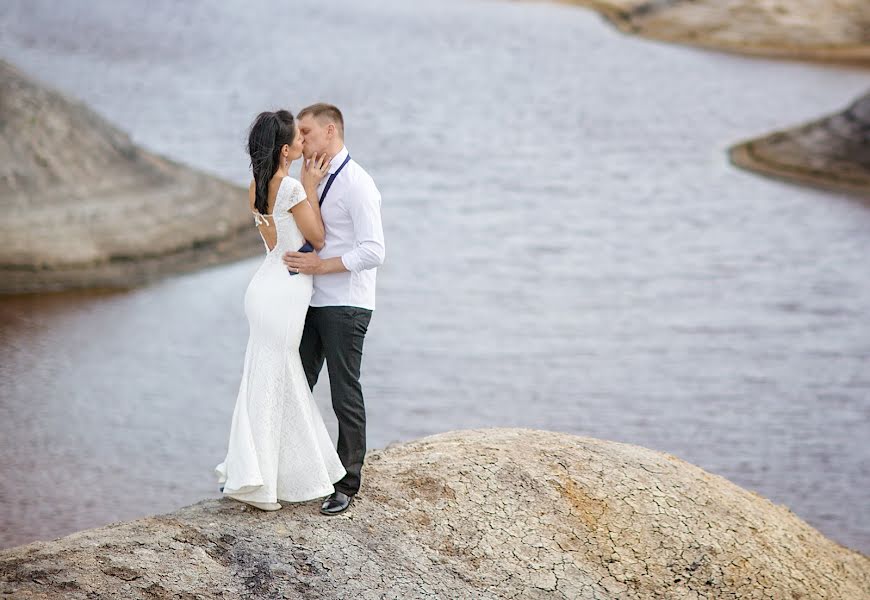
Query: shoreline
x,y
733,27
829,153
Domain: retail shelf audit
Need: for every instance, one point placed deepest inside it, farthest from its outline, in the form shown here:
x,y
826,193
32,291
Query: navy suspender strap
x,y
308,247
331,179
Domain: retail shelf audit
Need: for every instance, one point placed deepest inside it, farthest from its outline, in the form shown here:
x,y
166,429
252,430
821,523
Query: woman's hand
x,y
314,170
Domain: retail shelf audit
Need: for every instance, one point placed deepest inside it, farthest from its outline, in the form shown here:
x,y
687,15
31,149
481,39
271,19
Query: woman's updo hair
x,y
269,133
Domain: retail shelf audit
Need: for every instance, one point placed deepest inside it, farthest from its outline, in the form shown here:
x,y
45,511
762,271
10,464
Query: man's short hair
x,y
329,111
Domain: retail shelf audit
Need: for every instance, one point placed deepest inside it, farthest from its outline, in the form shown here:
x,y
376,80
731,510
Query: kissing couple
x,y
310,301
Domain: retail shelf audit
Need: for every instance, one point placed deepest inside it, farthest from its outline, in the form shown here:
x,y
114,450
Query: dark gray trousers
x,y
336,334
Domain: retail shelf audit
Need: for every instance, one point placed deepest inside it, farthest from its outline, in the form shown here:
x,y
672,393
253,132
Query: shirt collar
x,y
336,161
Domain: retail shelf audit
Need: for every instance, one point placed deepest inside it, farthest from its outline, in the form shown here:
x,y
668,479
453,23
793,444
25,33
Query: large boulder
x,y
831,152
489,513
85,207
837,30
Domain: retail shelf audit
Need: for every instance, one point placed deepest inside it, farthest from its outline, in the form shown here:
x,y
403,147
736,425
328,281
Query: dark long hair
x,y
269,133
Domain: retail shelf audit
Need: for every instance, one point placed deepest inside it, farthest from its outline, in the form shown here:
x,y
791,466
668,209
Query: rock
x,y
84,207
835,30
489,513
832,152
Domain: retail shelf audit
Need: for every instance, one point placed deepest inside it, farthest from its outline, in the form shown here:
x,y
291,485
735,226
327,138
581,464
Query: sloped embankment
x,y
85,207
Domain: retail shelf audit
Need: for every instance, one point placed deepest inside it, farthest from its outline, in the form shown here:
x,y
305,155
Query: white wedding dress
x,y
279,448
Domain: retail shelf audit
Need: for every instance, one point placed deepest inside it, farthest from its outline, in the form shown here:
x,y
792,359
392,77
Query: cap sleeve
x,y
292,192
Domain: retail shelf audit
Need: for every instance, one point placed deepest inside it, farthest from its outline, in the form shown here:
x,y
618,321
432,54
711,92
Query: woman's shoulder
x,y
291,181
291,191
289,186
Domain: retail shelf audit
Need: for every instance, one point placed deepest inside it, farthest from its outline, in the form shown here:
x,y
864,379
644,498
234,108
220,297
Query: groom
x,y
344,288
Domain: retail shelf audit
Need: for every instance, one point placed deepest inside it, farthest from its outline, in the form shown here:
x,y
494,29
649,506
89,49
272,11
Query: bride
x,y
279,448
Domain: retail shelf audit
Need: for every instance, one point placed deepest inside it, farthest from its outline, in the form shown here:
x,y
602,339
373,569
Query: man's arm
x,y
330,265
364,205
365,212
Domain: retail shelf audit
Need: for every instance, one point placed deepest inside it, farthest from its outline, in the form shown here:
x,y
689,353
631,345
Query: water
x,y
567,249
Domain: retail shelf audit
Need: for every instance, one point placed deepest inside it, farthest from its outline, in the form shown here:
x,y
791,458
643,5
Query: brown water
x,y
568,249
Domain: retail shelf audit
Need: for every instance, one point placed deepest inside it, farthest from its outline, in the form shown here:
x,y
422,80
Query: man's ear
x,y
330,129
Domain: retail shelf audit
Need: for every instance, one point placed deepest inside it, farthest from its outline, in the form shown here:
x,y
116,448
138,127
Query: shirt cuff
x,y
348,262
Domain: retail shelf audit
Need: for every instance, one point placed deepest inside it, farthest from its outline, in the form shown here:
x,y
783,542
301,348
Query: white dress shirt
x,y
352,219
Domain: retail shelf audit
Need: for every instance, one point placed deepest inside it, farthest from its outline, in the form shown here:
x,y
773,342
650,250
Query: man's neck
x,y
335,147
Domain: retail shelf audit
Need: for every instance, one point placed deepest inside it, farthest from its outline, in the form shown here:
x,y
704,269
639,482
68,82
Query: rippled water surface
x,y
567,249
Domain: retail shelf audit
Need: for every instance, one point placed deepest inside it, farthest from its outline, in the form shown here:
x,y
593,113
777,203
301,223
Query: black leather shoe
x,y
337,502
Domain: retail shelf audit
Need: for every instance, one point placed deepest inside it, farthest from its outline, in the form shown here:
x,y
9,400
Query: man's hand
x,y
303,262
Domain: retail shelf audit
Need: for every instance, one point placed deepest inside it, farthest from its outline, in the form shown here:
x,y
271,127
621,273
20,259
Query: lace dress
x,y
279,448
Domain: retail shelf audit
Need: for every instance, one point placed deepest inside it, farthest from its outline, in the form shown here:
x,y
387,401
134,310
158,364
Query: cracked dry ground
x,y
487,513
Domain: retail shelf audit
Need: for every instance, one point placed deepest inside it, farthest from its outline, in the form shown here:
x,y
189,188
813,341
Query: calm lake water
x,y
567,249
